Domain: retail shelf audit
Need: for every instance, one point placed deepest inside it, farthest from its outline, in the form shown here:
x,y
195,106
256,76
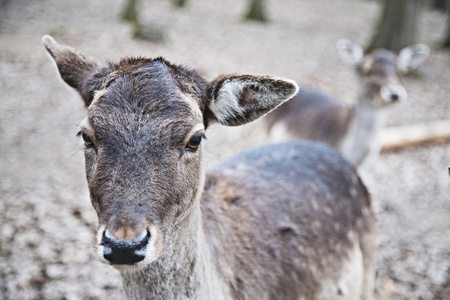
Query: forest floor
x,y
46,220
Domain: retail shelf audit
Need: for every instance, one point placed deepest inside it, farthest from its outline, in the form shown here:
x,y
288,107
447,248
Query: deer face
x,y
379,77
379,72
145,123
143,160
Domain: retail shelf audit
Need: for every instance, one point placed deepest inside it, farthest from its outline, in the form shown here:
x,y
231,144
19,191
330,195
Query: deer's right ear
x,y
74,67
349,52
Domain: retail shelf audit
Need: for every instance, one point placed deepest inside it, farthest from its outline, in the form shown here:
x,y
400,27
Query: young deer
x,y
286,221
353,130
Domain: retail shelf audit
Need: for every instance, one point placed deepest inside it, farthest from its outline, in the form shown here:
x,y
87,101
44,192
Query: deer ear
x,y
235,100
74,67
349,52
411,57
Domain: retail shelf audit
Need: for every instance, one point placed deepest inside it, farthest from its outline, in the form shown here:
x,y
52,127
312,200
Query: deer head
x,y
379,72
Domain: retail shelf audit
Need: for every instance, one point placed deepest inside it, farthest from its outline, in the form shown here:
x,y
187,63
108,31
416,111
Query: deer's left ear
x,y
238,99
411,57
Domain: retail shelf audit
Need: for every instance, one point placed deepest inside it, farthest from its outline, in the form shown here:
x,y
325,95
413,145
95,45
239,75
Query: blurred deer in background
x,y
284,221
352,129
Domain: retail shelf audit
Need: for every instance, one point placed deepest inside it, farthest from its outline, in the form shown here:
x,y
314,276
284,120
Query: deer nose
x,y
393,93
124,252
395,97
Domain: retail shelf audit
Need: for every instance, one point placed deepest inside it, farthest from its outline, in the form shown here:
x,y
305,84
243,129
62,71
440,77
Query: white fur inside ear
x,y
226,105
243,99
411,57
349,52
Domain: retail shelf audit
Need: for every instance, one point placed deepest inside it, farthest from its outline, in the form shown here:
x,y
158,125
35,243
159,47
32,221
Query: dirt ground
x,y
46,219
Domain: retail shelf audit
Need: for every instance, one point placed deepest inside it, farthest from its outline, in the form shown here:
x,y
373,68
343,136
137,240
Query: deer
x,y
283,221
352,129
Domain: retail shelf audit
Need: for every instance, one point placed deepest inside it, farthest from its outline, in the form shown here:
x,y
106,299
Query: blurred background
x,y
46,219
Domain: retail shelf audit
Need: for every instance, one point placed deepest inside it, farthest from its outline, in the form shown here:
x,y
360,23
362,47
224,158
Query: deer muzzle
x,y
124,252
393,93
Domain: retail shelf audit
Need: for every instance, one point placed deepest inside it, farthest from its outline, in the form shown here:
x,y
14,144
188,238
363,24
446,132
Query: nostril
x,y
395,97
123,252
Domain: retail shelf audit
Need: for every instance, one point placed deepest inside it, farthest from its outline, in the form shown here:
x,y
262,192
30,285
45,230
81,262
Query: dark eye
x,y
88,143
194,142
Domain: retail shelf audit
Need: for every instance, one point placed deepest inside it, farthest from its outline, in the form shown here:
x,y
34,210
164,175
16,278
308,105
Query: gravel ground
x,y
46,220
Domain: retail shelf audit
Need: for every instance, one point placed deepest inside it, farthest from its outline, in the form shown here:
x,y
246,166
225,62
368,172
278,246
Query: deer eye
x,y
194,143
88,143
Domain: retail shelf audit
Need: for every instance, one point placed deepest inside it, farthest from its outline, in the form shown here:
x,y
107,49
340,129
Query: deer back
x,y
310,115
285,219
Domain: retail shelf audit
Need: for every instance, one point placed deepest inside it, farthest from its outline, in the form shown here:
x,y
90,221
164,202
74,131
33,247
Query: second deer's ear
x,y
239,99
349,52
74,67
411,57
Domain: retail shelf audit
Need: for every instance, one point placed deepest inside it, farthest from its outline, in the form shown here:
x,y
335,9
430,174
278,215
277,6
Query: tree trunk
x,y
149,32
446,40
130,12
439,4
256,11
179,3
397,26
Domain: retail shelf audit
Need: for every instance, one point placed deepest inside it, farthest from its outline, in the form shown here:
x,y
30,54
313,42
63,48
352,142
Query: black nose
x,y
124,252
395,97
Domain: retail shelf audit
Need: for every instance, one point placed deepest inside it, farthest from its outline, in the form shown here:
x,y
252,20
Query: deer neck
x,y
363,131
184,271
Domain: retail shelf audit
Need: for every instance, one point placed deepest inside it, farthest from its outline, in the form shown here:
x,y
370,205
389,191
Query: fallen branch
x,y
412,135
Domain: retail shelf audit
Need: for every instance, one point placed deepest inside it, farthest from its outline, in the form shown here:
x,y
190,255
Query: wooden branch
x,y
412,135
